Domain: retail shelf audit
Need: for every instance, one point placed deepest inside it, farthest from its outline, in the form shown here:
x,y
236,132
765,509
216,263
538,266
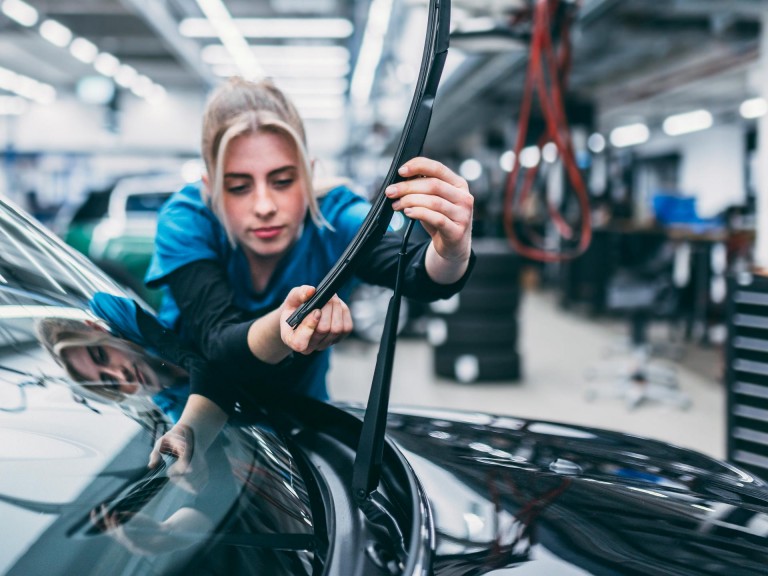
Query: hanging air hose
x,y
547,75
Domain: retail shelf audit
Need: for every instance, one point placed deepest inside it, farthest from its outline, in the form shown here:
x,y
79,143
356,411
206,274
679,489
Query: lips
x,y
267,232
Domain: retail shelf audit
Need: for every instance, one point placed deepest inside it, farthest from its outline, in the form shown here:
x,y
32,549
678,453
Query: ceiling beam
x,y
187,51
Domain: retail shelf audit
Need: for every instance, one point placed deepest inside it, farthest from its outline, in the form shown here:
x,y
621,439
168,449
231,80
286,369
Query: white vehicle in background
x,y
116,227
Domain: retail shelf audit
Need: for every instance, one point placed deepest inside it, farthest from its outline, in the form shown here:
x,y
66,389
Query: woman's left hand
x,y
439,199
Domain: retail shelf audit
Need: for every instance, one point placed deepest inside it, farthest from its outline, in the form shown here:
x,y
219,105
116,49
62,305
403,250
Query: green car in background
x,y
116,228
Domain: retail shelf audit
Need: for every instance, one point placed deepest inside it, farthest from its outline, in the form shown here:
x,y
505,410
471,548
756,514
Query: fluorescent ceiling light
x,y
272,27
596,142
329,102
370,51
220,20
629,135
311,113
687,122
312,86
530,157
106,64
507,161
279,55
753,108
471,169
56,33
125,75
549,152
141,86
84,50
27,87
12,105
20,12
307,72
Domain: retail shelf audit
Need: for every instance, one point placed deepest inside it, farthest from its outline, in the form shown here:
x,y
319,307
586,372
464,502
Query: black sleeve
x,y
204,376
207,312
380,268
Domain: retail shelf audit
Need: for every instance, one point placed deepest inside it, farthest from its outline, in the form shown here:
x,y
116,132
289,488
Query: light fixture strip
x,y
629,135
370,51
331,28
688,122
27,87
231,38
753,108
56,33
20,12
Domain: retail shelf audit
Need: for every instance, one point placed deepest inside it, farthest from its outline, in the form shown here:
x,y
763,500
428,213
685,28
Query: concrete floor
x,y
558,349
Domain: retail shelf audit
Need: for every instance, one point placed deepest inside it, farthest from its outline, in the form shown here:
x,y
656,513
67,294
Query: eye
x,y
283,183
238,190
98,355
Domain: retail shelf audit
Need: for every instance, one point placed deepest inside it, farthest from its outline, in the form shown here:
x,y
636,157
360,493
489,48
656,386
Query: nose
x,y
263,203
122,375
115,373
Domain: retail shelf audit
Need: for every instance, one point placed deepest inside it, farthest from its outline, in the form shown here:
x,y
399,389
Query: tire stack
x,y
474,333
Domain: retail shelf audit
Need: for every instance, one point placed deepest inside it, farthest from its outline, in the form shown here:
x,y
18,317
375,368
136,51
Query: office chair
x,y
643,293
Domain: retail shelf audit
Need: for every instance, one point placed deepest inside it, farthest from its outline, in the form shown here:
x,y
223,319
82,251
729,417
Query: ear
x,y
206,182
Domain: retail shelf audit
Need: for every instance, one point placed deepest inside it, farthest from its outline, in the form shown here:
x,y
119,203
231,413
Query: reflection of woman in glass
x,y
104,367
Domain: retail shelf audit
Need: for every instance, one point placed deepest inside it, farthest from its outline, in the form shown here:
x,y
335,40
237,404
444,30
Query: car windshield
x,y
75,484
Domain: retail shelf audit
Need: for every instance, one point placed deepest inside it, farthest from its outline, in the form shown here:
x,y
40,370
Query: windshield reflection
x,y
100,504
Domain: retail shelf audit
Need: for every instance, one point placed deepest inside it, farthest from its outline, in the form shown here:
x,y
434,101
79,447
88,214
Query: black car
x,y
82,407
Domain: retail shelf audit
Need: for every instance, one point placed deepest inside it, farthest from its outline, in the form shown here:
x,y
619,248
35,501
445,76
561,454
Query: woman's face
x,y
112,367
264,195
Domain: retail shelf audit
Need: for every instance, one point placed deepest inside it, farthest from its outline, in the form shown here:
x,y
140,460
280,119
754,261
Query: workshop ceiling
x,y
632,58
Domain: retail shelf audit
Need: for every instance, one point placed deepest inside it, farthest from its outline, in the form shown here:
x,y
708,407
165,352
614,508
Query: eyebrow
x,y
270,173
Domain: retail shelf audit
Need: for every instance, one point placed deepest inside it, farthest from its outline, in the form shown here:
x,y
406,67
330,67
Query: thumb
x,y
299,295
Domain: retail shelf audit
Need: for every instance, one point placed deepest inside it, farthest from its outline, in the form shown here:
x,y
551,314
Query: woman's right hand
x,y
189,471
320,329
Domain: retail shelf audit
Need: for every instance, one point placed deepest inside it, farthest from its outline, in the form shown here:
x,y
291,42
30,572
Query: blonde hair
x,y
59,335
242,107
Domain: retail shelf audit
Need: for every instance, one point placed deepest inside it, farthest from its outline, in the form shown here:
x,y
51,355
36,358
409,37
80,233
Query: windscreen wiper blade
x,y
366,472
409,146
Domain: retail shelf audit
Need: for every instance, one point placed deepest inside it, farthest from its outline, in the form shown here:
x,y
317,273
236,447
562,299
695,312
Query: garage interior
x,y
92,91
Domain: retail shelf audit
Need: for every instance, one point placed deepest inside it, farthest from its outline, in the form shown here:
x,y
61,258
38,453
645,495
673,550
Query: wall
x,y
712,164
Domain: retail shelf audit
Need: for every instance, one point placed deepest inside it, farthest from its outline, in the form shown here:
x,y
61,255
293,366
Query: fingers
x,y
335,324
298,296
321,328
439,189
441,201
299,338
421,166
178,442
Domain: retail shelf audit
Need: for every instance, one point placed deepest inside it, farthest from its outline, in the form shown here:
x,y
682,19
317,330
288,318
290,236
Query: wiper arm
x,y
411,142
366,474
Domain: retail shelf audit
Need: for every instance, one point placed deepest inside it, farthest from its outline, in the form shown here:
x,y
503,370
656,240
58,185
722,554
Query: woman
x,y
238,253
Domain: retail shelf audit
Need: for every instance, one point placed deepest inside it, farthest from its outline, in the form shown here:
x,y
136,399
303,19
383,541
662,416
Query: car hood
x,y
550,498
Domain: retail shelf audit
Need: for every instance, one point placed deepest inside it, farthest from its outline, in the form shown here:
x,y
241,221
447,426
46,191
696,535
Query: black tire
x,y
458,331
477,365
495,263
473,301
